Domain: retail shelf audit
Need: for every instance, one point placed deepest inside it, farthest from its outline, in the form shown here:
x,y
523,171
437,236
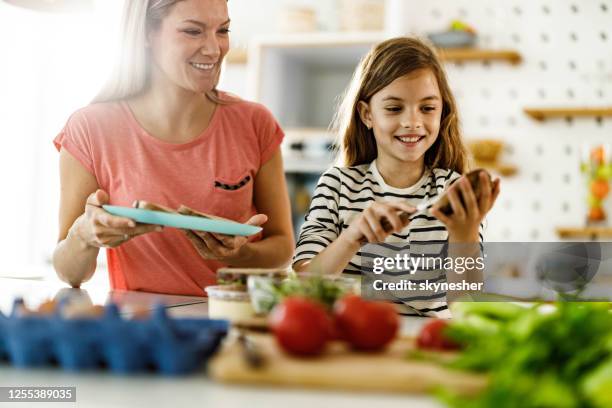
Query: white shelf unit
x,y
300,78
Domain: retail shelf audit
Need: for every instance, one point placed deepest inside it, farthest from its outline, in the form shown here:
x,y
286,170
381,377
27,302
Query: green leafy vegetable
x,y
536,358
269,292
315,287
598,385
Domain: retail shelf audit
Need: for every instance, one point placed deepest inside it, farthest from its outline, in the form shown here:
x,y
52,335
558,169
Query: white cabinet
x,y
300,78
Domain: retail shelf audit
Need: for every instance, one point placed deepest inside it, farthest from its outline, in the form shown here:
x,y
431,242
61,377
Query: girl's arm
x,y
367,228
331,260
276,247
320,248
321,226
464,223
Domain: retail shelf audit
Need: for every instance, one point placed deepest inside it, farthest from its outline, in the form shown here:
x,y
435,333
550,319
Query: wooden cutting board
x,y
341,368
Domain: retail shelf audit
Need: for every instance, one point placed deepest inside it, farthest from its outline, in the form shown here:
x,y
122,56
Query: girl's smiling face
x,y
190,43
405,117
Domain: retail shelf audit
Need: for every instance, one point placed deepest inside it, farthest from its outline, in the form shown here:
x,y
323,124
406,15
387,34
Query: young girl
x,y
400,142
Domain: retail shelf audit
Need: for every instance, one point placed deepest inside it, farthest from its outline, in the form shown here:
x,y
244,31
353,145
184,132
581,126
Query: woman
x,y
161,132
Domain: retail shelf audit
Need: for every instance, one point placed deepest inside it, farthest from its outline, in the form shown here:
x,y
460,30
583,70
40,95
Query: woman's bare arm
x,y
84,226
74,260
271,198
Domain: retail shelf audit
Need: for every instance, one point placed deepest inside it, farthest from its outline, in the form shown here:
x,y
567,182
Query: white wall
x,y
567,61
52,64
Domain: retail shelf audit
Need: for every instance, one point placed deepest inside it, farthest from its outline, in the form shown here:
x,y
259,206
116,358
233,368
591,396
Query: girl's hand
x,y
97,228
369,225
463,223
221,247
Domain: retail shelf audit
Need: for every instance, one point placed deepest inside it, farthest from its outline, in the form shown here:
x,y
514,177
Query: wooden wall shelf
x,y
592,232
477,54
546,113
364,40
503,169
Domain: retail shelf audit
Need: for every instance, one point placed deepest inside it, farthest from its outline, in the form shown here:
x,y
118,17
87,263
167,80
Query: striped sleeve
x,y
322,222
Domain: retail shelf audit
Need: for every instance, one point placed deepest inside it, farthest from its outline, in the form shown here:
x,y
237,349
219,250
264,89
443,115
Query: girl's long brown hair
x,y
386,62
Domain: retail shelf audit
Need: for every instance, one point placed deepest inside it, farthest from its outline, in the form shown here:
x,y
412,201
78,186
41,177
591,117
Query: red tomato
x,y
432,336
301,326
364,324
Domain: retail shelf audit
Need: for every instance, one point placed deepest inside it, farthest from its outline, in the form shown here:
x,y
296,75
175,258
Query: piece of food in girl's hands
x,y
474,178
302,326
366,325
432,336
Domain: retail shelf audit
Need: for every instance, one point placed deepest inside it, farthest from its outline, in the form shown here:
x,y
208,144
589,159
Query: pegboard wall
x,y
566,48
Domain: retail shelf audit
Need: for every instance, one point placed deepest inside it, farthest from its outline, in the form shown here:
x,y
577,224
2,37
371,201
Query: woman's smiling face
x,y
405,116
190,43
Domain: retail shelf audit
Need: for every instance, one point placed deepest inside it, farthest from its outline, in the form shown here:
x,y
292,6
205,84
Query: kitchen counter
x,y
102,389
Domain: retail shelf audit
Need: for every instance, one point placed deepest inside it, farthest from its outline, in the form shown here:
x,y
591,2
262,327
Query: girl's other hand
x,y
369,225
221,247
98,228
463,223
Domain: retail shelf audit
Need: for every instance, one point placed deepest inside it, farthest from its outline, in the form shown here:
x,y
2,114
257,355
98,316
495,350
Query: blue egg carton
x,y
166,345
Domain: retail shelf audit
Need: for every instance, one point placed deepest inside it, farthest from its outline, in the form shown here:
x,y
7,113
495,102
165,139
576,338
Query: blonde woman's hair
x,y
130,75
386,62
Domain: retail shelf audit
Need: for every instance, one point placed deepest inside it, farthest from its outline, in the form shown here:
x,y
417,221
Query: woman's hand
x,y
98,228
221,247
463,223
369,225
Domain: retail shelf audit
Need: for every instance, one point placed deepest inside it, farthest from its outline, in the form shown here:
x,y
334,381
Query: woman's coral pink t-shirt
x,y
214,173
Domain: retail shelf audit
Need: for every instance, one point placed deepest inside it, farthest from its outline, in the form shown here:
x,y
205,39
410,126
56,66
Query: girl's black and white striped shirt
x,y
344,192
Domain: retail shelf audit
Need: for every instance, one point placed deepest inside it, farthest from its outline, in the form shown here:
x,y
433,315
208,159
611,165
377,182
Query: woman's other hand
x,y
221,247
98,228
